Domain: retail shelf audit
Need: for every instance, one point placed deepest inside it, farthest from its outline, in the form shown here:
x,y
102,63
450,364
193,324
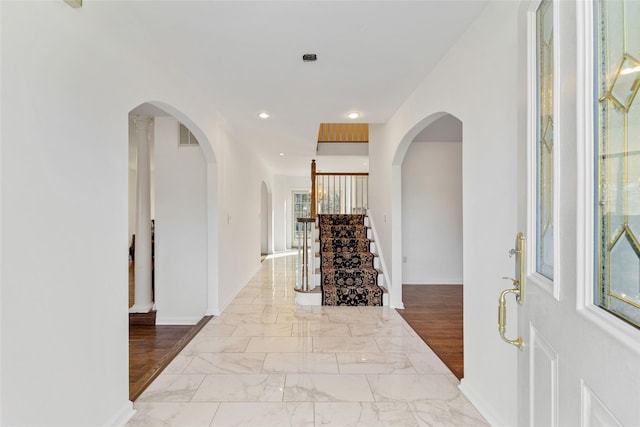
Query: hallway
x,y
267,362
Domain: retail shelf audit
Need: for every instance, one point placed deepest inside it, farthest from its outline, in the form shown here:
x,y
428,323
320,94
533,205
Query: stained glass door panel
x,y
618,159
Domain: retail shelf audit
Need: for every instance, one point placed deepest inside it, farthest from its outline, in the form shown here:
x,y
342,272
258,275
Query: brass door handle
x,y
517,290
502,314
516,286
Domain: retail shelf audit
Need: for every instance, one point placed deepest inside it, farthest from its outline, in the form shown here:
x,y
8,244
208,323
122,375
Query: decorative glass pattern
x,y
544,145
618,158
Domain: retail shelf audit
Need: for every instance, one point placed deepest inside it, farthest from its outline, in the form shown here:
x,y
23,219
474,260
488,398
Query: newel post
x,y
313,188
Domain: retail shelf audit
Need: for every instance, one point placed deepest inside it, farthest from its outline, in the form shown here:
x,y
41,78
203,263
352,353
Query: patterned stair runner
x,y
348,276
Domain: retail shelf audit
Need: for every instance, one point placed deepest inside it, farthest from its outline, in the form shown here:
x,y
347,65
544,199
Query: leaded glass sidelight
x,y
544,140
618,158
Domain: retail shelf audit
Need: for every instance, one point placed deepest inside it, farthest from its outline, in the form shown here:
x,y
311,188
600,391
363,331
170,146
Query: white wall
x,y
64,216
241,174
64,201
180,227
432,213
476,81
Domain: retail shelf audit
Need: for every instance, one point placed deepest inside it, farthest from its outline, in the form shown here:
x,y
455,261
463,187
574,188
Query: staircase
x,y
348,275
341,243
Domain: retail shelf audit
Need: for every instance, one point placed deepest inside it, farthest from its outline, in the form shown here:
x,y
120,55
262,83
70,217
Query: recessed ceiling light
x,y
353,115
264,115
282,154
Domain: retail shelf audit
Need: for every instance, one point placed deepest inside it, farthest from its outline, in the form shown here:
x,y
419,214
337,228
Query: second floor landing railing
x,y
338,192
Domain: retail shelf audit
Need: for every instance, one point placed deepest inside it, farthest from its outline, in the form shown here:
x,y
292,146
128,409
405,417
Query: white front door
x,y
579,317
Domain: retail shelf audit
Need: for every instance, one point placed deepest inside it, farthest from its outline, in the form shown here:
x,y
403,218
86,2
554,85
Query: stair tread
x,y
343,225
375,255
345,264
318,270
356,238
367,227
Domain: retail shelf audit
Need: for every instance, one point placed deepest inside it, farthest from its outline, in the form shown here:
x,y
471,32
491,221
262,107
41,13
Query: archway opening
x,y
432,236
265,221
432,205
170,192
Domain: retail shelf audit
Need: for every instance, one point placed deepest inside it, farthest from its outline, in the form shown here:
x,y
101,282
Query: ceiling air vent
x,y
186,137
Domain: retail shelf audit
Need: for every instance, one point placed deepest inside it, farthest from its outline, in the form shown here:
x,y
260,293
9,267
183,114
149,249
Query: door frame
x,y
294,241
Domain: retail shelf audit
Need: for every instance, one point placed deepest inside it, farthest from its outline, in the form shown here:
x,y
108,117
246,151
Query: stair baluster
x,y
303,255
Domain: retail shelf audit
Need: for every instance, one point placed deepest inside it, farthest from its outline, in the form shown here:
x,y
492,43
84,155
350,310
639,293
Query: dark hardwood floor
x,y
435,313
152,348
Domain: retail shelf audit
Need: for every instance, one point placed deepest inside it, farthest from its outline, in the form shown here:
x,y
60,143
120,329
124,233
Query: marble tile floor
x,y
268,362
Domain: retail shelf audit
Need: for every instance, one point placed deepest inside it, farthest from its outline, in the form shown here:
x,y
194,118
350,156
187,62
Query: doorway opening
x,y
300,208
432,238
171,189
265,222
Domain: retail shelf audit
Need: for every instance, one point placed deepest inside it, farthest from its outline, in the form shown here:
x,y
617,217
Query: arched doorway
x,y
432,205
182,197
177,215
265,221
432,262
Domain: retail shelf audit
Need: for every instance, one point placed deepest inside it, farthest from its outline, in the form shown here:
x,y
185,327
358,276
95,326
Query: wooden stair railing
x,y
338,192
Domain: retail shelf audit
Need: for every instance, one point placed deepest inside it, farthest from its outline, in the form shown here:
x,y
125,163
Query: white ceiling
x,y
246,56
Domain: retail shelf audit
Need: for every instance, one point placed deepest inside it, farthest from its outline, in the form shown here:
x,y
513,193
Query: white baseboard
x,y
224,304
212,312
480,404
385,300
233,296
396,306
122,417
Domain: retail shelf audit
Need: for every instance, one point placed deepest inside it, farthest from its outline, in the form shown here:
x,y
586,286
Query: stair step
x,y
318,270
343,231
317,255
366,227
370,240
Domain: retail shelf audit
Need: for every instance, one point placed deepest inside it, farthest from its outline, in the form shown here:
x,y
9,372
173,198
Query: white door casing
x,y
538,358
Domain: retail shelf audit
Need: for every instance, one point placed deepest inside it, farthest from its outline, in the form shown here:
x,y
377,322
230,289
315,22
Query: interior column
x,y
143,302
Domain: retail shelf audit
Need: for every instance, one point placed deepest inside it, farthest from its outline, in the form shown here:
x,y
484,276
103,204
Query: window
x,y
544,139
186,137
617,161
301,209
